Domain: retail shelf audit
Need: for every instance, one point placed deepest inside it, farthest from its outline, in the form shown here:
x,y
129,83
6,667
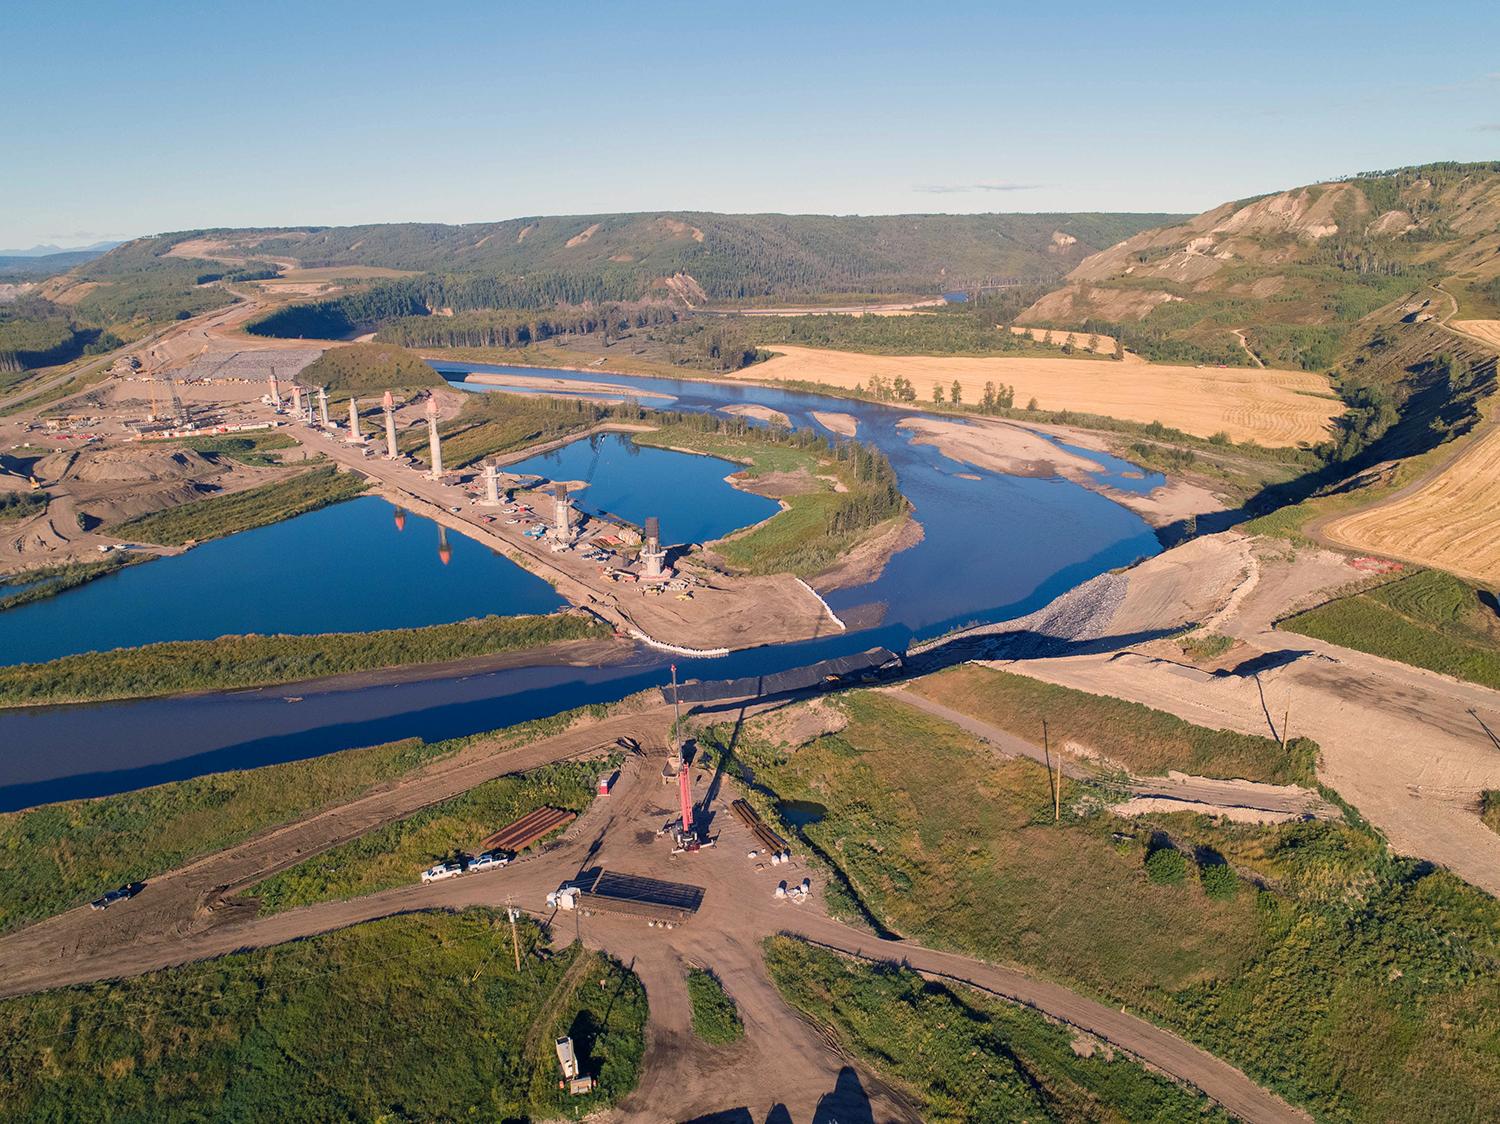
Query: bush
x,y
1220,882
716,1019
1166,867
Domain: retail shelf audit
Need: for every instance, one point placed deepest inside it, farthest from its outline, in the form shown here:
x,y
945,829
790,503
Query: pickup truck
x,y
129,890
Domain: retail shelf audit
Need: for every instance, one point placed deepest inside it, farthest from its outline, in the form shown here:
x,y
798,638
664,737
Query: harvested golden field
x,y
1249,404
1452,522
1486,330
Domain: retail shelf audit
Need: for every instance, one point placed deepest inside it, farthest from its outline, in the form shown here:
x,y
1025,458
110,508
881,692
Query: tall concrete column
x,y
653,556
297,400
275,393
323,406
562,515
434,446
355,437
491,484
390,427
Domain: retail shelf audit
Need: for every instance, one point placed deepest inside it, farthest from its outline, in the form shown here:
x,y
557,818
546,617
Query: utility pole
x,y
515,941
1054,784
1286,721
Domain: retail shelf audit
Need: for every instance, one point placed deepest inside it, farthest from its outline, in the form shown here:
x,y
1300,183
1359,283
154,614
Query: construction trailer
x,y
630,895
567,1059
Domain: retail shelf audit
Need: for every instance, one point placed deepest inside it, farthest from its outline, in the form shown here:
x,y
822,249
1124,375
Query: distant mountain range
x,y
49,250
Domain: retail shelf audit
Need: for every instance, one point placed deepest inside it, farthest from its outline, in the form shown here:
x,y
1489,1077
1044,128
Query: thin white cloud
x,y
959,188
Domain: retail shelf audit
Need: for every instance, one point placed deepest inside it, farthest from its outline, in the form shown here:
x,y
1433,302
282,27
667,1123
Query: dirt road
x,y
1192,793
1405,746
782,1061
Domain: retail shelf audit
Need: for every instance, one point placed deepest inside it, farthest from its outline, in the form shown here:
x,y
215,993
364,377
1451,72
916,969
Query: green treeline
x,y
241,511
45,581
232,662
38,333
500,327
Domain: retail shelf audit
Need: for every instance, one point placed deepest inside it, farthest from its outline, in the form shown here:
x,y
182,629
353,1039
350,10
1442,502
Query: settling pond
x,y
346,568
994,547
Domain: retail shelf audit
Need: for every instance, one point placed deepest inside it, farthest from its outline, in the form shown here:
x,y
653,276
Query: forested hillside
x,y
729,257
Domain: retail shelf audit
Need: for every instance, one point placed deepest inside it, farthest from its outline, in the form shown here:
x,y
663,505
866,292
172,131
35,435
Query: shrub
x,y
716,1019
1166,867
1220,882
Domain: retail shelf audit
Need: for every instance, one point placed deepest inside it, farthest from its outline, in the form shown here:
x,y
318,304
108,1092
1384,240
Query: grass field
x,y
242,511
248,448
495,423
398,853
802,539
231,662
410,1018
1448,523
1356,983
1249,404
1429,619
716,1019
1137,738
61,855
967,1058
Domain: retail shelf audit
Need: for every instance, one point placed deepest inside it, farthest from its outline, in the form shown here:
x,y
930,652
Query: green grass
x,y
258,448
47,581
1205,646
1489,809
368,368
716,1018
1429,619
1354,982
815,530
495,423
21,505
242,511
968,1058
231,662
61,855
421,1017
1136,737
397,854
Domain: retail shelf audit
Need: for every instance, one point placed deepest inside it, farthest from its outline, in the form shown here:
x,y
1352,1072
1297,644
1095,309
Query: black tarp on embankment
x,y
793,679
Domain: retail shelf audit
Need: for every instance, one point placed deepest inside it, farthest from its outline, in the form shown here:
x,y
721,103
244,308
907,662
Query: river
x,y
994,547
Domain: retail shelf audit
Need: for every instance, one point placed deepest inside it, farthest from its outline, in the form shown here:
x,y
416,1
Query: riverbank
x,y
1018,451
320,661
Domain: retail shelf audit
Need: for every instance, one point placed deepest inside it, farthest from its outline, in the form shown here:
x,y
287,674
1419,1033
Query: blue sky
x,y
126,119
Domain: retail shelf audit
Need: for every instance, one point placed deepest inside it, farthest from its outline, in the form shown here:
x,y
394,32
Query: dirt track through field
x,y
1450,521
1272,407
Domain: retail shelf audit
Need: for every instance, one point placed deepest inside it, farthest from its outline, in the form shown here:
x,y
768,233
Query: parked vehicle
x,y
125,892
451,869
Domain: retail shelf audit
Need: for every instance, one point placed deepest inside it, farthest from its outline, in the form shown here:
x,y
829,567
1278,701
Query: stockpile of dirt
x,y
141,465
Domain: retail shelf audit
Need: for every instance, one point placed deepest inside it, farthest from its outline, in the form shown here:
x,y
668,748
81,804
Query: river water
x,y
994,547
